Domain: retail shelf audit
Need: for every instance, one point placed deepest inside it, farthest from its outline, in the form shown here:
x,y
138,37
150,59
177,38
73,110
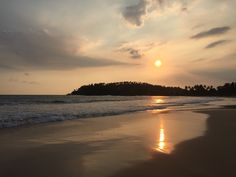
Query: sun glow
x,y
158,63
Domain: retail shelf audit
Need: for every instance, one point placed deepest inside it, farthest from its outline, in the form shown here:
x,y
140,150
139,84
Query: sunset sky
x,y
54,46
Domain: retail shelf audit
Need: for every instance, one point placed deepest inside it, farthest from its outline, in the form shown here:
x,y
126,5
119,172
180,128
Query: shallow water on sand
x,y
97,147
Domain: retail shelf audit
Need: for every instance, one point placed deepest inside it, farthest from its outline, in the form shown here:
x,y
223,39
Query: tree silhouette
x,y
138,88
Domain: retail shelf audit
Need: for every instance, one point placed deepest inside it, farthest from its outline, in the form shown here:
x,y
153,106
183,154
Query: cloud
x,y
199,60
134,53
134,13
212,32
217,43
137,49
225,74
44,49
229,58
15,80
4,67
197,26
40,41
222,68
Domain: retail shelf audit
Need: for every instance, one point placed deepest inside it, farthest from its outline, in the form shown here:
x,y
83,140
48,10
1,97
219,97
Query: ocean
x,y
29,110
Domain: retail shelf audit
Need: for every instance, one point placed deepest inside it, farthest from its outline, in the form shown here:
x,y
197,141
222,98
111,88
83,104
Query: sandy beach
x,y
210,155
176,143
117,88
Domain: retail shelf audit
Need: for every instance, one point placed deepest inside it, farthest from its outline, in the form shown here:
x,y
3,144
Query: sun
x,y
158,63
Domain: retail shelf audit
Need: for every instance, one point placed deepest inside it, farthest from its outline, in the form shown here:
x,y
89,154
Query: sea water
x,y
27,110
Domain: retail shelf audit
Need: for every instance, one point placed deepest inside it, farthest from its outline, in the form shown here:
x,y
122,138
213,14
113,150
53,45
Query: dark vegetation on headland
x,y
138,88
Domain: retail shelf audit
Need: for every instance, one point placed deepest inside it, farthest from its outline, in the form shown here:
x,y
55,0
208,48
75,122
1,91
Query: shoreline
x,y
28,158
45,110
210,155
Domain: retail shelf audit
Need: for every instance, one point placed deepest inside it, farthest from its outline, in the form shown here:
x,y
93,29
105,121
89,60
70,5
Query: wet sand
x,y
142,144
212,155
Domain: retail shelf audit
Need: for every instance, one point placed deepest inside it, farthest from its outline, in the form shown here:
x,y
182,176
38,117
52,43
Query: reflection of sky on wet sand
x,y
120,141
162,145
175,127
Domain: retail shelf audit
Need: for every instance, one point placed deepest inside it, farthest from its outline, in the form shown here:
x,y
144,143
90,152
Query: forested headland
x,y
139,88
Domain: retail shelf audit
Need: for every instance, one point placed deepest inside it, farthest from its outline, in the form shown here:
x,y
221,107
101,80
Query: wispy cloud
x,y
15,80
199,60
225,74
4,67
211,32
134,53
229,58
137,49
217,43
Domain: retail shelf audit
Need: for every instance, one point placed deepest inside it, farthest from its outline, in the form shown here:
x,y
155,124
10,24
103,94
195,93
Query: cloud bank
x,y
42,49
30,39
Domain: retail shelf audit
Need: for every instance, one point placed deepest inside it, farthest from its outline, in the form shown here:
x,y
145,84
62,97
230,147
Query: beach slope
x,y
212,155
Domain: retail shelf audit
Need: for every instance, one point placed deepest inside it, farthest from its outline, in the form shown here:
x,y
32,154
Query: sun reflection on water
x,y
158,100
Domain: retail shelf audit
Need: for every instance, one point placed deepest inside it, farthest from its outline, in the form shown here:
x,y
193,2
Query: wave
x,y
28,111
17,100
16,121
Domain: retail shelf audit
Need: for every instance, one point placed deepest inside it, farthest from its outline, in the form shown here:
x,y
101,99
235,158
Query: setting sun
x,y
158,63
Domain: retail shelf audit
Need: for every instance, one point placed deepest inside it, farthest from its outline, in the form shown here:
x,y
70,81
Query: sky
x,y
55,46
